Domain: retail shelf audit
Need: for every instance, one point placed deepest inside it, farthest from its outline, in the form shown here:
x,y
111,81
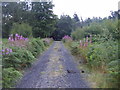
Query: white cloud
x,y
85,8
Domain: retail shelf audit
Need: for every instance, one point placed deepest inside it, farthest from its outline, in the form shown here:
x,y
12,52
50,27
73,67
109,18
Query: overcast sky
x,y
85,8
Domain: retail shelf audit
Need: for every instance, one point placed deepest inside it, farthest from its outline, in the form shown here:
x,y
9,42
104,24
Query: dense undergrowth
x,y
18,55
100,57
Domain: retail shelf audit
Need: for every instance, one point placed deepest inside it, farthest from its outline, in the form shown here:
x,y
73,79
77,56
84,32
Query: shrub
x,y
94,29
36,46
99,54
112,26
78,34
10,77
114,73
22,29
74,48
19,58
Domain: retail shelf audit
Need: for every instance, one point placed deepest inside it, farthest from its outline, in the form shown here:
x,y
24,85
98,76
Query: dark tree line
x,y
64,26
40,17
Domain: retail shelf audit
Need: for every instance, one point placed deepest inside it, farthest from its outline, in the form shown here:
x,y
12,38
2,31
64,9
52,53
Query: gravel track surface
x,y
54,69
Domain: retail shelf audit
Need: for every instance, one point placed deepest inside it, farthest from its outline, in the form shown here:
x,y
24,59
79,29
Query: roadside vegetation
x,y
19,53
96,49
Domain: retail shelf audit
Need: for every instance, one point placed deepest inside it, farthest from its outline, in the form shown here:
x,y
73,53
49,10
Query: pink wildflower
x,y
3,50
7,53
10,50
16,35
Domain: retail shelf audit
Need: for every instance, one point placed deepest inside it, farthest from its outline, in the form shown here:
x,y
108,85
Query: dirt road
x,y
54,69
